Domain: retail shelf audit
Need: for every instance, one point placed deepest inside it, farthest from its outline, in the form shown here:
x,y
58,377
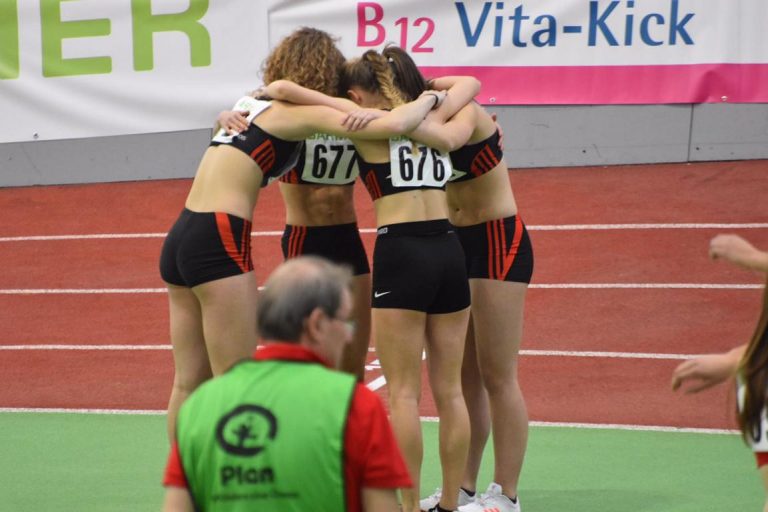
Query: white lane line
x,y
76,291
588,227
57,410
85,347
428,419
375,364
619,426
541,286
544,227
649,286
615,355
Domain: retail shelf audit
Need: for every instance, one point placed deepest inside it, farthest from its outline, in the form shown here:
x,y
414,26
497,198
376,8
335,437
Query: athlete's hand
x,y
703,372
359,119
735,249
233,121
501,131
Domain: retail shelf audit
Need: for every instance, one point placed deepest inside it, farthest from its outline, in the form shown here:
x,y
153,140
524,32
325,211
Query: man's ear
x,y
314,323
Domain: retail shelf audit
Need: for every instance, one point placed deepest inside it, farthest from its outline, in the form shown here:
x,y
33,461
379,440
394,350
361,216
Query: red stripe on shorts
x,y
228,241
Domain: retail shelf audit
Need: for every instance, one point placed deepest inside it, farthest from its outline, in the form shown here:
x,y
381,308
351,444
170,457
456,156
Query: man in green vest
x,y
284,431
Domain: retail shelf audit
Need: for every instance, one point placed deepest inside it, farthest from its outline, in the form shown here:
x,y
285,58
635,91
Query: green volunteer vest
x,y
267,436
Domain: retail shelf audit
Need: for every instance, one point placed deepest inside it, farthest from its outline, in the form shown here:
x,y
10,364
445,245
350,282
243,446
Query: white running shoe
x,y
492,500
433,499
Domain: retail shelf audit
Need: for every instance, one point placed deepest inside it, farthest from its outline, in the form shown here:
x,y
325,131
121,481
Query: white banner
x,y
86,68
563,51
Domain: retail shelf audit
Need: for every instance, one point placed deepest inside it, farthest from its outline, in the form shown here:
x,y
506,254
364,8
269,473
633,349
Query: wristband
x,y
437,98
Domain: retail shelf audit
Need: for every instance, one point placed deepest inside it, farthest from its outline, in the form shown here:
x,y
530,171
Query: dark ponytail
x,y
408,78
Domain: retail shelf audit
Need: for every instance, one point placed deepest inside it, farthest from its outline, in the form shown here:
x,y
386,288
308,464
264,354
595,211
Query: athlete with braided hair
x,y
499,264
420,291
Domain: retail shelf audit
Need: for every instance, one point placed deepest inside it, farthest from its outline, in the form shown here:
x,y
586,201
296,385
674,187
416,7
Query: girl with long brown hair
x,y
748,362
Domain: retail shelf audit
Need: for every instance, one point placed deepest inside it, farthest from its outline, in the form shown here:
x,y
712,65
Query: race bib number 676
x,y
425,167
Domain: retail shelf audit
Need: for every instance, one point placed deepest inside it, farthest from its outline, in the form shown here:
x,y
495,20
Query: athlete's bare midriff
x,y
228,181
481,199
318,205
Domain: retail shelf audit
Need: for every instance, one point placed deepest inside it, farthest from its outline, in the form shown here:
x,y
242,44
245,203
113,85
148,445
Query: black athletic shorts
x,y
419,266
340,243
498,249
203,247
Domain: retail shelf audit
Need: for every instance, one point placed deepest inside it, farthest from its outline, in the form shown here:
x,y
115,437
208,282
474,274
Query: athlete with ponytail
x,y
748,363
499,265
420,290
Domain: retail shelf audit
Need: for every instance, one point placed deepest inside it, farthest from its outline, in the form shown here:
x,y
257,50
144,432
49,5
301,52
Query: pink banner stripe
x,y
598,85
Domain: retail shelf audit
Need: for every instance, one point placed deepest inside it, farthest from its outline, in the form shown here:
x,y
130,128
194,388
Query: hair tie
x,y
390,59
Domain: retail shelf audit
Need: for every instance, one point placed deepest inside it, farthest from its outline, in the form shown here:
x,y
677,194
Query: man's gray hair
x,y
295,289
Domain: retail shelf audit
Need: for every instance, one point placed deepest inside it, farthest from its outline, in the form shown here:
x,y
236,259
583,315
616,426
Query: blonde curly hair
x,y
308,57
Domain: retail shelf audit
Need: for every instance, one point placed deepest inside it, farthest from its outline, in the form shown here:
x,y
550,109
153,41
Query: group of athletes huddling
x,y
450,268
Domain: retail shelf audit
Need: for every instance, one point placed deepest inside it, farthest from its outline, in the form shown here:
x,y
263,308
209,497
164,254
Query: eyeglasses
x,y
349,323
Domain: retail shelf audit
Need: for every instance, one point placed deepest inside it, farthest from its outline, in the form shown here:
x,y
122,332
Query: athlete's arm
x,y
177,500
708,370
450,135
399,121
285,90
461,90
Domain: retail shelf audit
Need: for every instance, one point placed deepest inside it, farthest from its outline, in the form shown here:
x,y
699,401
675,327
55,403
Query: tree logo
x,y
246,430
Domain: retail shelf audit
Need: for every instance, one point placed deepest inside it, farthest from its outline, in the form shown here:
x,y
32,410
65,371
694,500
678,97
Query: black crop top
x,y
273,155
474,160
427,169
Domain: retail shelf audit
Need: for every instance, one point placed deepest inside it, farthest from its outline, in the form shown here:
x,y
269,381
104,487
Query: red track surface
x,y
573,389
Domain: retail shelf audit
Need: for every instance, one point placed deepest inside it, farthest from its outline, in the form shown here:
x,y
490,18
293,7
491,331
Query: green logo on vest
x,y
246,430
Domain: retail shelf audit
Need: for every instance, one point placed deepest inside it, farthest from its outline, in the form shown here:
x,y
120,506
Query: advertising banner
x,y
564,51
89,68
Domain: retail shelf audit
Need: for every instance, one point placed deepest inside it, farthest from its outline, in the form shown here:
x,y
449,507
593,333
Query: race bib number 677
x,y
425,167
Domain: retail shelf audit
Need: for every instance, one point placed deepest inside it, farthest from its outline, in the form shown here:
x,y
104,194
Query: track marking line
x,y
73,291
544,227
426,419
650,286
61,410
619,426
85,347
375,364
540,286
617,355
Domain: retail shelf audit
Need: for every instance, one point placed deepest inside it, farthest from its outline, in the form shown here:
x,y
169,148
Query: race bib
x,y
248,103
423,167
330,160
757,440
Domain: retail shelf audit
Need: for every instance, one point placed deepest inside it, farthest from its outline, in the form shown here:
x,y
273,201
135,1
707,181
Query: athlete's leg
x,y
476,399
190,357
764,476
445,352
353,360
497,309
229,319
400,336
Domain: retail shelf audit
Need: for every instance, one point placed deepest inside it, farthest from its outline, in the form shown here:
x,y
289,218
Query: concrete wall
x,y
534,136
